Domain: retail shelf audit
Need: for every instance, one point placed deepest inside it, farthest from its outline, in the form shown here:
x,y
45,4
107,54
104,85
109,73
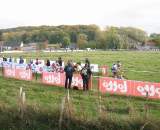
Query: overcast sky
x,y
144,14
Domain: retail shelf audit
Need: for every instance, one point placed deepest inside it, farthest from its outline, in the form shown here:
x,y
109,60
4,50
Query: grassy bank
x,y
87,110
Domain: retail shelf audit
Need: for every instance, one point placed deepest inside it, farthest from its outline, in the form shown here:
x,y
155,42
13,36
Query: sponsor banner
x,y
7,64
20,66
147,89
9,72
94,67
13,65
17,73
23,74
129,87
114,86
53,78
58,79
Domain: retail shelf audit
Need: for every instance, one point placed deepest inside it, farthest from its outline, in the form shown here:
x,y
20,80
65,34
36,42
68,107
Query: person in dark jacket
x,y
37,62
86,74
21,61
4,58
10,59
48,63
60,61
87,62
69,69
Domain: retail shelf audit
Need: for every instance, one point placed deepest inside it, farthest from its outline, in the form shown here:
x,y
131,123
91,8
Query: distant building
x,y
149,45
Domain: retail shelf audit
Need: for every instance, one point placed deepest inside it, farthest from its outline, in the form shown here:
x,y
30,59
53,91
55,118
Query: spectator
x,y
78,67
87,62
4,58
119,64
21,61
48,63
53,67
30,64
69,69
37,62
114,70
10,59
119,70
86,73
60,61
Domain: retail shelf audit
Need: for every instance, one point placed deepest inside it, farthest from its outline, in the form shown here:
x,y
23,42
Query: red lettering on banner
x,y
53,78
9,72
127,87
23,74
18,73
152,90
114,86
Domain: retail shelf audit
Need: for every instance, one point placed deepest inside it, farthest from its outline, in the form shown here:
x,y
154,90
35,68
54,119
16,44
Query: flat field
x,y
137,65
43,108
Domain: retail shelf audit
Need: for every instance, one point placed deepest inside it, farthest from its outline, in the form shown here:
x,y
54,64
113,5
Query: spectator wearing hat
x,y
86,74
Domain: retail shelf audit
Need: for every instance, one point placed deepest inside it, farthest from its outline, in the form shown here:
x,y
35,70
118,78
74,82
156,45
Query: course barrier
x,y
58,79
17,73
49,78
129,87
105,84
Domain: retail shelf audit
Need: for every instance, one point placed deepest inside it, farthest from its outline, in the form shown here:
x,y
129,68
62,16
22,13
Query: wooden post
x,y
61,113
36,76
22,102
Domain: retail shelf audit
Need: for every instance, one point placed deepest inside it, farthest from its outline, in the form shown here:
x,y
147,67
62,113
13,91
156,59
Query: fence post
x,y
146,107
22,101
36,75
61,113
2,70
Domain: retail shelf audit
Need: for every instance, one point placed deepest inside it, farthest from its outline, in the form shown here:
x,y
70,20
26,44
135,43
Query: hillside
x,y
82,36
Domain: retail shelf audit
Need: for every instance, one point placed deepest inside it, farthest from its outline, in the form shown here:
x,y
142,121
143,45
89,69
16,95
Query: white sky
x,y
144,14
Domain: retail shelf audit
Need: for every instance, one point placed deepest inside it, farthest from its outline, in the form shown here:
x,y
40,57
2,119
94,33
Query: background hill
x,y
82,36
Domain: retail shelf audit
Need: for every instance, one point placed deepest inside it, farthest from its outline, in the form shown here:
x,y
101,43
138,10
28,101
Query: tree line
x,y
81,36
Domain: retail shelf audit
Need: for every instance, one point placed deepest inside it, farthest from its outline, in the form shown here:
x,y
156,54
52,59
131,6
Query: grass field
x,y
43,105
87,110
137,65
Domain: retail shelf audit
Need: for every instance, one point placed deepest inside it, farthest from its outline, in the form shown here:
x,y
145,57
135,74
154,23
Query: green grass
x,y
143,66
43,109
43,103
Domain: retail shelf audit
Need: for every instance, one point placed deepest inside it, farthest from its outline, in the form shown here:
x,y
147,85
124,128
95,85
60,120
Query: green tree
x,y
82,40
139,36
1,36
112,38
82,35
66,41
